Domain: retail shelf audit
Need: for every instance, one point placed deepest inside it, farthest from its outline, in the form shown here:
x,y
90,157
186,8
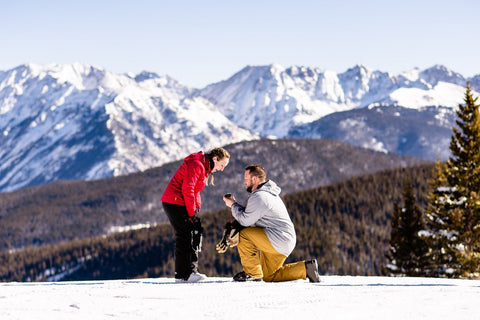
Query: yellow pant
x,y
260,259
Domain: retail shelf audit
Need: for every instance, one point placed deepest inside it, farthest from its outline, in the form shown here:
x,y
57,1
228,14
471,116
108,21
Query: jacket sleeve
x,y
247,216
194,171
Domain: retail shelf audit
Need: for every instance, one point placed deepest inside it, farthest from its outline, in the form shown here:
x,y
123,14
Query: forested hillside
x,y
344,225
75,210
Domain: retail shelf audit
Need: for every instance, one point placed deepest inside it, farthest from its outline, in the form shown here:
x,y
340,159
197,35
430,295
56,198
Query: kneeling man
x,y
268,236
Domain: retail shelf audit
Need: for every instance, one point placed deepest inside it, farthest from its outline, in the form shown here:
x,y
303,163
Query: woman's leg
x,y
186,259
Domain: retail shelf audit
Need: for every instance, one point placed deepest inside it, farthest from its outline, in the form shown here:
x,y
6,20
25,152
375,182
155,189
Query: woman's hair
x,y
257,170
221,154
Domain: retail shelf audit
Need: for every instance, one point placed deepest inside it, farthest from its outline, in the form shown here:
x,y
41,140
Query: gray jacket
x,y
266,209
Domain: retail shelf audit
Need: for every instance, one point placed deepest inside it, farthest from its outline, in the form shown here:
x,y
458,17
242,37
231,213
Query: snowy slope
x,y
268,100
336,297
424,133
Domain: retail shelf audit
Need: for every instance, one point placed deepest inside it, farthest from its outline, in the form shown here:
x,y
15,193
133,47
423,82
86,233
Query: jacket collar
x,y
209,164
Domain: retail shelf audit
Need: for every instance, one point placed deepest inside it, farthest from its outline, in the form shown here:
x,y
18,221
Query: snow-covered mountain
x,y
424,132
82,122
270,100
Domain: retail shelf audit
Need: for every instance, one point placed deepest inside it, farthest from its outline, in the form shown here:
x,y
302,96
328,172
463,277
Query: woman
x,y
181,201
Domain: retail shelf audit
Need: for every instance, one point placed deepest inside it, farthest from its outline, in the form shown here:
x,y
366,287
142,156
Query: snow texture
x,y
336,297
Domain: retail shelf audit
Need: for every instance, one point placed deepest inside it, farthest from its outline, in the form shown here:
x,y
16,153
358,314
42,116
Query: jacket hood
x,y
195,156
271,187
200,156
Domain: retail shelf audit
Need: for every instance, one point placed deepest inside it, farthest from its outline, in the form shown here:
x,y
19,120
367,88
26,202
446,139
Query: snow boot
x,y
243,277
311,267
194,277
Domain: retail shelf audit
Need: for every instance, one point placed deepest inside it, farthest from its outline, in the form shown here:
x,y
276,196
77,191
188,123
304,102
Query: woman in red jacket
x,y
181,201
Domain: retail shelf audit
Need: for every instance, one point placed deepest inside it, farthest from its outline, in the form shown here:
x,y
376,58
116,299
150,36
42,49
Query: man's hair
x,y
257,171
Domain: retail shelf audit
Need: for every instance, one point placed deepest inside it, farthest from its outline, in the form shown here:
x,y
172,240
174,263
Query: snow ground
x,y
336,297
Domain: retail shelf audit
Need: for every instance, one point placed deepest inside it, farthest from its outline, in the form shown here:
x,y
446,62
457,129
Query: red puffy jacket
x,y
185,186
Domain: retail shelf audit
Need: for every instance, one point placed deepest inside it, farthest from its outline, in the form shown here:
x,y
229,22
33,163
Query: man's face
x,y
250,181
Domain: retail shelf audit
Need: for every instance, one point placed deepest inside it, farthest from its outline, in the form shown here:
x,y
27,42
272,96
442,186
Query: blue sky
x,y
201,42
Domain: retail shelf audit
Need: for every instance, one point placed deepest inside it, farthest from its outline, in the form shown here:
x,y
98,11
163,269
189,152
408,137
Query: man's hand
x,y
229,199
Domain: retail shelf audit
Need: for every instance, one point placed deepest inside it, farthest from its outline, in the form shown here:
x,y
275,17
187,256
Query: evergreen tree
x,y
453,213
393,254
408,250
439,255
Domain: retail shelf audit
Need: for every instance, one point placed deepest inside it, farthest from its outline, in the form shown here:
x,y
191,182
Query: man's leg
x,y
251,241
268,263
289,272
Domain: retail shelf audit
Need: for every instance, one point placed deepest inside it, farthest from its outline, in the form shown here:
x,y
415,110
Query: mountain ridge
x,y
80,121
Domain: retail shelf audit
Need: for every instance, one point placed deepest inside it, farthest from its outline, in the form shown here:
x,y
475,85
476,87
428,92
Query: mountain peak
x,y
146,75
276,67
79,75
438,73
359,70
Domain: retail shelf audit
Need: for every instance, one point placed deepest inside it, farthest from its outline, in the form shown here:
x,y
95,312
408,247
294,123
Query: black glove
x,y
197,231
230,236
222,246
234,237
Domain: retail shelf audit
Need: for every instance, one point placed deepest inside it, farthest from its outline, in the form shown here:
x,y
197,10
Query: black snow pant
x,y
186,259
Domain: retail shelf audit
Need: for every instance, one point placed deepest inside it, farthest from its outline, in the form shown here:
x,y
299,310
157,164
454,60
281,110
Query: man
x,y
269,236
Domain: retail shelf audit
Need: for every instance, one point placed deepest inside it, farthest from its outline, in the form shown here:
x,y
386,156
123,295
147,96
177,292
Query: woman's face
x,y
219,165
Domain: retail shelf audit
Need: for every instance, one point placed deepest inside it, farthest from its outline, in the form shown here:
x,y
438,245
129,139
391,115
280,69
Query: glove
x,y
222,246
196,232
231,236
234,237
